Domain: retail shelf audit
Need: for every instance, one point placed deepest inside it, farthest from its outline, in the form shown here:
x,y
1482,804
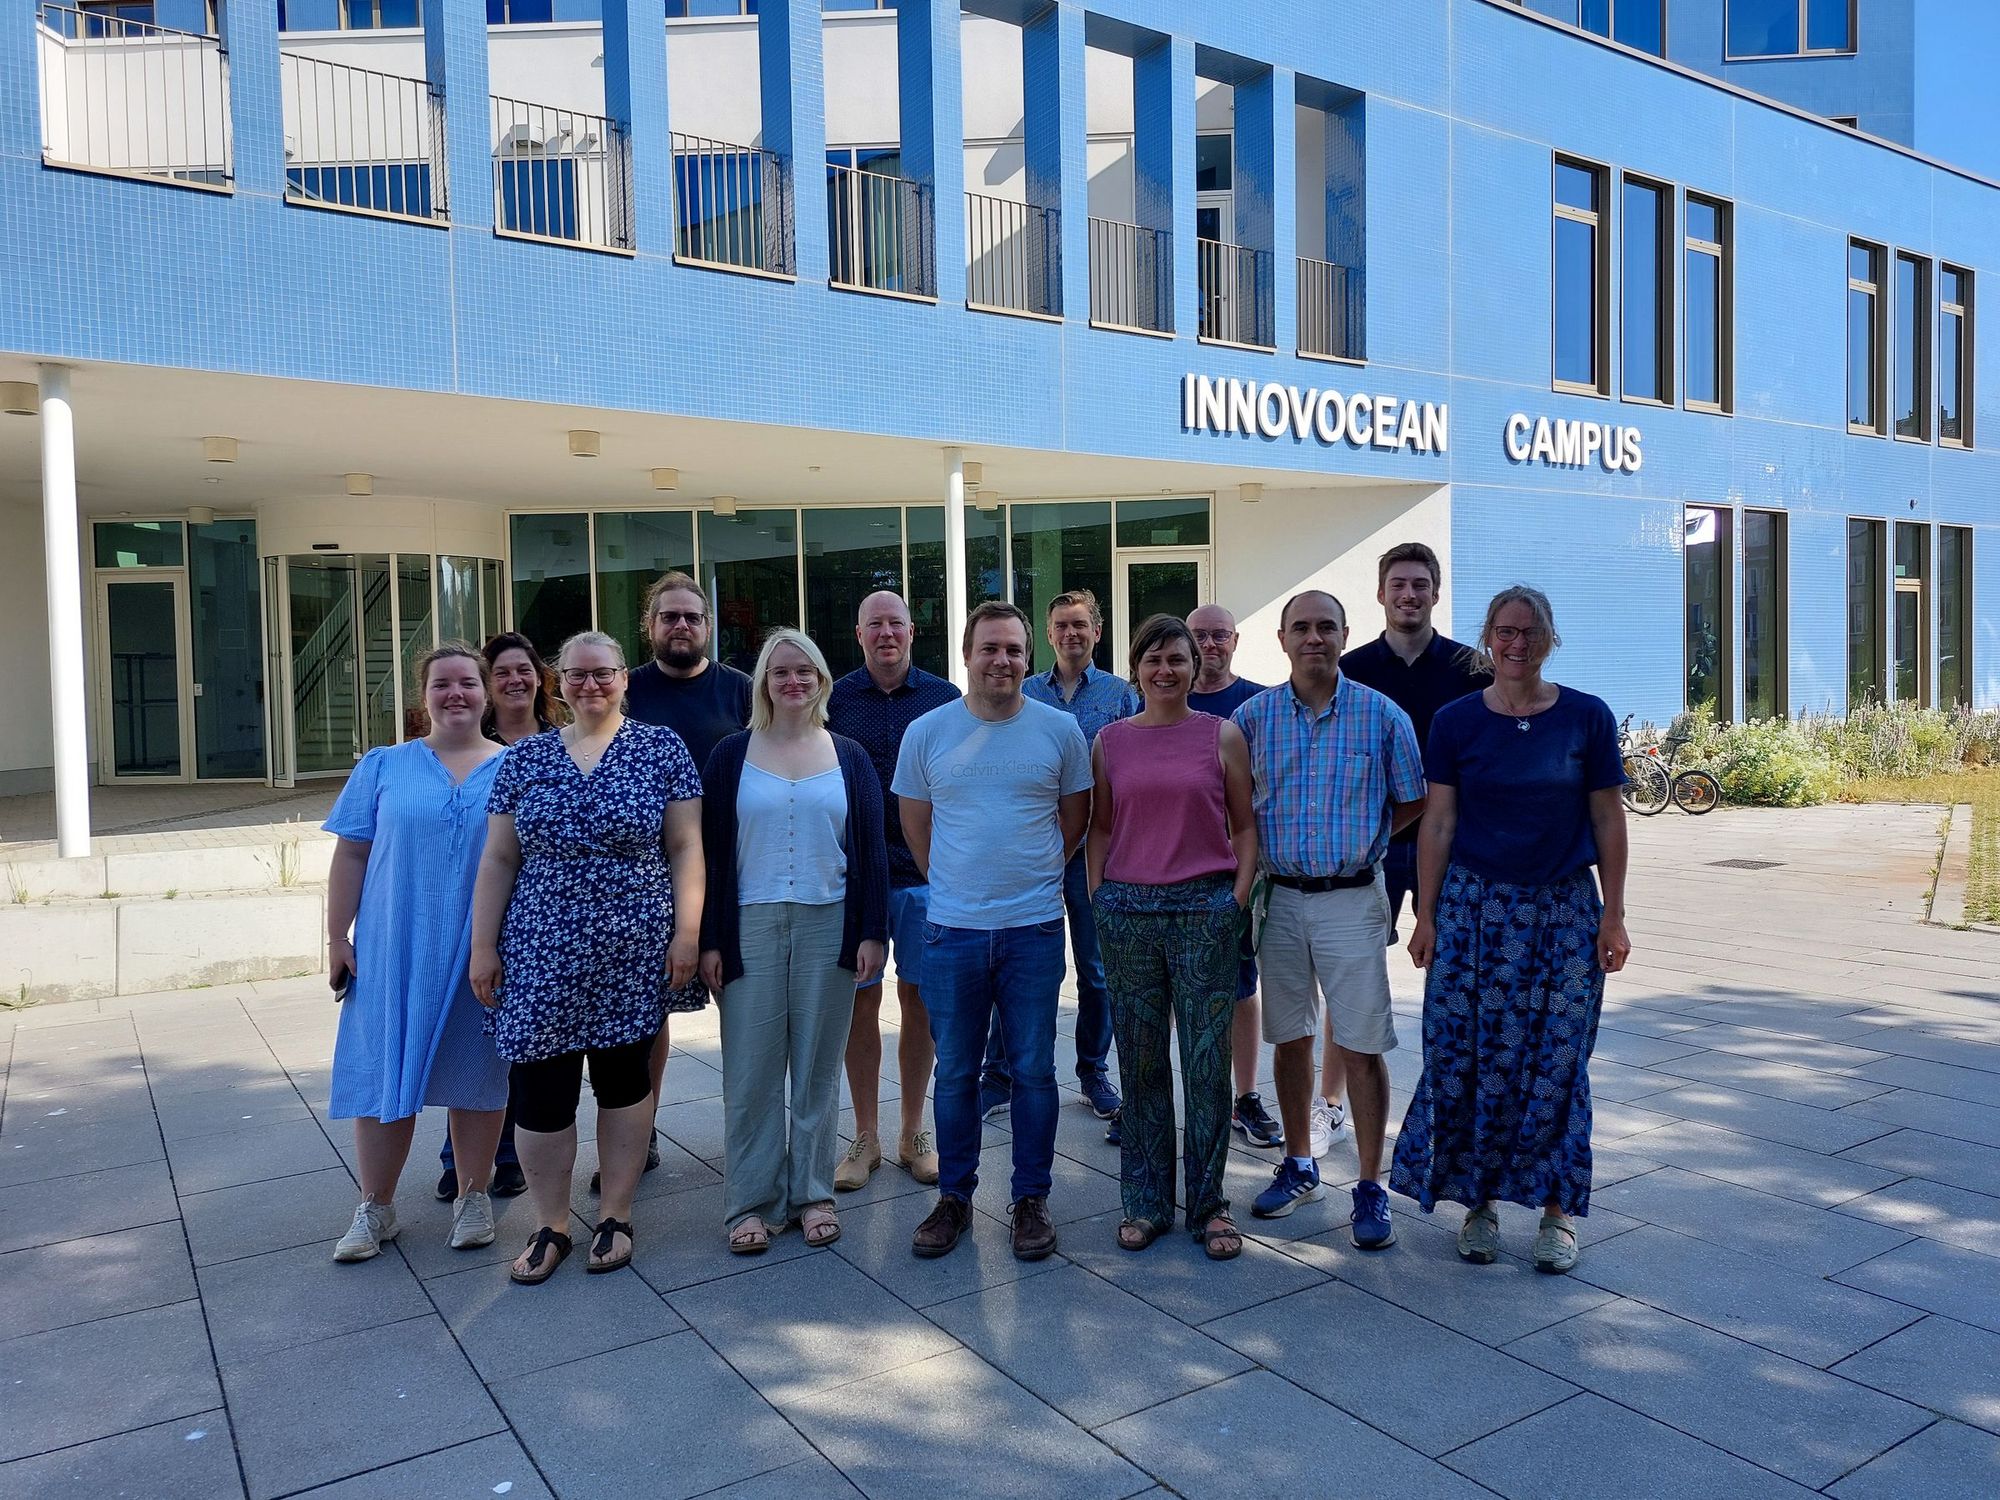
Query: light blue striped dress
x,y
411,1031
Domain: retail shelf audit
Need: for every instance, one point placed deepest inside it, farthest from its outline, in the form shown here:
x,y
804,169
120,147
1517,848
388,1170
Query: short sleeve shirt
x,y
1443,672
1225,702
877,721
994,789
1099,699
704,710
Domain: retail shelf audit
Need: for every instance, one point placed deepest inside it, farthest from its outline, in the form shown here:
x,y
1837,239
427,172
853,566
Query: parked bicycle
x,y
1651,780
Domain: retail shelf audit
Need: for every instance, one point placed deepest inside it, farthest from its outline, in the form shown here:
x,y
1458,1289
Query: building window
x,y
1646,290
1639,24
1766,610
380,15
1705,551
1058,548
680,10
519,12
1581,279
1913,348
1846,122
1954,357
137,544
1789,28
1913,613
1867,341
1710,294
1864,613
1955,616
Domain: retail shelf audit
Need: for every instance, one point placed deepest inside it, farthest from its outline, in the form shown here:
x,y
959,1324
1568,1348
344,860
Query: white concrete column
x,y
63,561
954,563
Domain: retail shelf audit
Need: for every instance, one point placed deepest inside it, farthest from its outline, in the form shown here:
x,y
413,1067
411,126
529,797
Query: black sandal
x,y
1148,1232
545,1240
607,1229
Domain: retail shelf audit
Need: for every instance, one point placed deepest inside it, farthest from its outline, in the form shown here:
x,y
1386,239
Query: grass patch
x,y
1977,786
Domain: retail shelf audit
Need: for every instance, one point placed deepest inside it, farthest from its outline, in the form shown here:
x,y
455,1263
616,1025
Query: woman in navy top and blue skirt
x,y
1524,780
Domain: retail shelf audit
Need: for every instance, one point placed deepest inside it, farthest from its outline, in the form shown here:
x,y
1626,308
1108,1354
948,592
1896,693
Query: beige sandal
x,y
821,1225
749,1237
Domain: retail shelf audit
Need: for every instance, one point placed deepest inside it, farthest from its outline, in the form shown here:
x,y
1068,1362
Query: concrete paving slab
x,y
1768,1166
679,1241
596,1427
1619,1084
280,1300
1933,1113
1936,1211
36,1148
425,1243
1758,1075
187,1459
571,1316
495,1465
875,1238
67,1208
1076,1191
1636,1051
1961,1284
1216,1444
1777,1413
1176,1275
814,1477
1946,1461
78,1281
1948,1366
320,1412
1973,1085
74,1385
1941,1158
285,1148
233,1222
227,1110
676,1173
1766,1118
1791,1049
919,1431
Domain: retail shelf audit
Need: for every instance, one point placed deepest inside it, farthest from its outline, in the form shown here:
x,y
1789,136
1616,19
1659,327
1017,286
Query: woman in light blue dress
x,y
412,824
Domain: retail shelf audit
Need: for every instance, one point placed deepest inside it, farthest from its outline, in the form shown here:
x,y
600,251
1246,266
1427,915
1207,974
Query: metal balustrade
x,y
132,98
1131,276
1013,255
881,232
1329,310
361,140
561,175
733,206
1238,302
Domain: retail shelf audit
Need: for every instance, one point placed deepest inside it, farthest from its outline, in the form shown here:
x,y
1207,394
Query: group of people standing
x,y
515,900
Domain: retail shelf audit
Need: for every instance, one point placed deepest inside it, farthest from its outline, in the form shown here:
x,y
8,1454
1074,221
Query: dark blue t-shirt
x,y
1226,702
1524,794
704,710
878,721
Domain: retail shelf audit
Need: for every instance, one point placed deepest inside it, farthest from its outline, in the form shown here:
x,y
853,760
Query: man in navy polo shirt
x,y
875,704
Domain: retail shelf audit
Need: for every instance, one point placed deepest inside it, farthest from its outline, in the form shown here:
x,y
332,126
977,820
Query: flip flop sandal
x,y
538,1248
607,1232
1147,1232
749,1238
1220,1238
820,1226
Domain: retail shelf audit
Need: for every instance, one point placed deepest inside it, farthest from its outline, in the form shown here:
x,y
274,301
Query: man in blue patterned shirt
x,y
1336,770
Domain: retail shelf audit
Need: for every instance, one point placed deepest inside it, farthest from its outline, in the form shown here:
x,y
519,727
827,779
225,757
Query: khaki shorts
x,y
1333,942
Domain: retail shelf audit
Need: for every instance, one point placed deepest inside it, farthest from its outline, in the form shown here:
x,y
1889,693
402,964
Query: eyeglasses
x,y
679,616
602,676
1506,635
1214,637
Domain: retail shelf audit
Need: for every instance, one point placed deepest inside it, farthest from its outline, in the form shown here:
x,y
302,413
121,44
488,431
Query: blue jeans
x,y
1093,998
1007,979
1399,875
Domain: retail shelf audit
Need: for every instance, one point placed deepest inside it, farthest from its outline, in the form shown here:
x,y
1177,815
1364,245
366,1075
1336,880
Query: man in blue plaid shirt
x,y
1336,770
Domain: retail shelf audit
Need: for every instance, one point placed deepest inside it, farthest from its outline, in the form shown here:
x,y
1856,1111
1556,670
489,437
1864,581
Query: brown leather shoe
x,y
1034,1230
939,1233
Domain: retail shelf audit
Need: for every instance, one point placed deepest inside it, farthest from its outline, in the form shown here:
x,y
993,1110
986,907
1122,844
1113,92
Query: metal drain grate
x,y
1745,864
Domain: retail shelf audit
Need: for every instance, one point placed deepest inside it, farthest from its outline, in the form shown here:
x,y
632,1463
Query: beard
x,y
680,655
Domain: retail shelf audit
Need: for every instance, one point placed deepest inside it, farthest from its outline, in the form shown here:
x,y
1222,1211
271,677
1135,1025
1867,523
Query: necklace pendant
x,y
1522,725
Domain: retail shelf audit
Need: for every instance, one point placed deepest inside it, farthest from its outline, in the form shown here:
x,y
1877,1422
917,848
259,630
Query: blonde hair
x,y
762,709
1538,605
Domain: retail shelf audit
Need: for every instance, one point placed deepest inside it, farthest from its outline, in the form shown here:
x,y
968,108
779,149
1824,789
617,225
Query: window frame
x,y
1723,250
1878,324
1610,33
1781,609
1960,630
1805,32
1919,588
1879,603
1963,310
1726,610
1601,308
1922,360
1666,315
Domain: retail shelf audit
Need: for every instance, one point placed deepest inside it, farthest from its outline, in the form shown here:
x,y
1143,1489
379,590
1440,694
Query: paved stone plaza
x,y
1790,1279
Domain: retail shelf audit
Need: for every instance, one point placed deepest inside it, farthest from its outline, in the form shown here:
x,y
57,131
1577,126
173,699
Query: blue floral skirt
x,y
1502,1112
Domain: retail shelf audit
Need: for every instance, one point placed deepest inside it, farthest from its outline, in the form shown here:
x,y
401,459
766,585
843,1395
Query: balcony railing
x,y
365,141
1329,310
1238,302
561,175
133,98
1013,255
881,232
1131,276
733,206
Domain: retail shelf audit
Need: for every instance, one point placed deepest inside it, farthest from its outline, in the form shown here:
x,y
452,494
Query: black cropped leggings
x,y
545,1092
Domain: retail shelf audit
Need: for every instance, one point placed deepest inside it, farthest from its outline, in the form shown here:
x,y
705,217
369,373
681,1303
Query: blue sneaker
x,y
995,1095
1287,1191
1372,1229
1100,1095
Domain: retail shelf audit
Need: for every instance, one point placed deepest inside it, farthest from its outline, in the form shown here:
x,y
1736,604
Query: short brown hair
x,y
1156,630
668,583
996,609
1069,598
1415,552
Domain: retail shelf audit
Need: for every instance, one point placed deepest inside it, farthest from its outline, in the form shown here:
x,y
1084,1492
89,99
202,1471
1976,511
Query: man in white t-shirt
x,y
994,793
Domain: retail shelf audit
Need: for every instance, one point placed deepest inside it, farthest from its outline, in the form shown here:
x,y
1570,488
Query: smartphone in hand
x,y
342,980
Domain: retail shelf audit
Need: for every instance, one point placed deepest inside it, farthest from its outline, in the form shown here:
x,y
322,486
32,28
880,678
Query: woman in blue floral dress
x,y
588,906
1524,780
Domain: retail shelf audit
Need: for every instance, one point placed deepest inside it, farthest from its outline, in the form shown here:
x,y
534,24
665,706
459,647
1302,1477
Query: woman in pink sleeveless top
x,y
1172,855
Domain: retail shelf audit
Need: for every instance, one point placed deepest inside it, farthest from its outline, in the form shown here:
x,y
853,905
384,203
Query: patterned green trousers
x,y
1170,956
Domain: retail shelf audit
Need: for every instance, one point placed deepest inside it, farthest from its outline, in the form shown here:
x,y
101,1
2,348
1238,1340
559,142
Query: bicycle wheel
x,y
1696,792
1646,791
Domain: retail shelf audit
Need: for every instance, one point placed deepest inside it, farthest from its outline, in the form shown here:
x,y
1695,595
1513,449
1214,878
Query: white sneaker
x,y
1329,1124
373,1227
472,1222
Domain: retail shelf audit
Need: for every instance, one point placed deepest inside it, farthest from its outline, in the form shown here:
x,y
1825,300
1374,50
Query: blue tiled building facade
x,y
1701,363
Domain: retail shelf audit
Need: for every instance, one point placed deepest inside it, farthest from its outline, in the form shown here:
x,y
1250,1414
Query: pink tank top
x,y
1169,819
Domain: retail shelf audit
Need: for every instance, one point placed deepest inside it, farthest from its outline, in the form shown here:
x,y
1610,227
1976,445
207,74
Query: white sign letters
x,y
1245,408
1572,445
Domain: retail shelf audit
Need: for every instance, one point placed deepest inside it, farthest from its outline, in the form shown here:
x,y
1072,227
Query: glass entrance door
x,y
323,671
144,655
1155,582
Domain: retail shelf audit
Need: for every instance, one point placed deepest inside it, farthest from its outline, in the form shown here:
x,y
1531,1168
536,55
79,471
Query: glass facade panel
x,y
985,575
551,558
1912,311
1163,523
1954,615
1640,24
1578,289
1763,28
1213,163
325,708
1864,613
458,601
1909,645
1764,615
1705,277
140,635
750,568
1864,352
850,554
1954,355
1830,25
1648,292
632,549
378,653
137,544
415,634
224,588
1576,187
1706,555
1058,548
1912,613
